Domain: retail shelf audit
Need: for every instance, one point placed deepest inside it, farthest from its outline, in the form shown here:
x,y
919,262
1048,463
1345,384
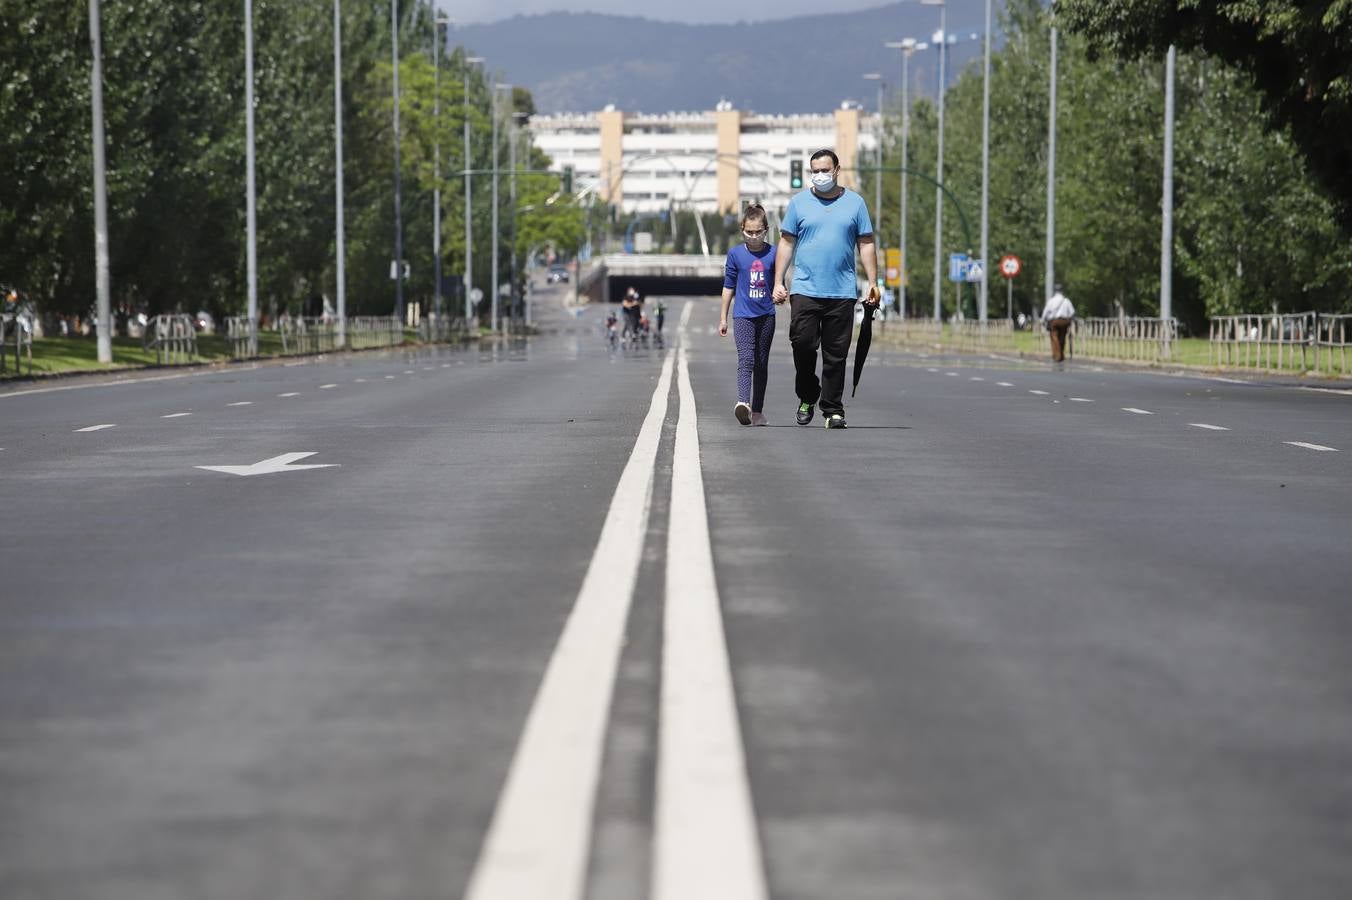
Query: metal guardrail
x,y
974,336
1139,338
173,338
243,337
1309,341
374,331
301,335
435,329
17,336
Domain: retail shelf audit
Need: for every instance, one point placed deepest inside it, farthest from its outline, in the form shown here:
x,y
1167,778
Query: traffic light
x,y
796,174
567,179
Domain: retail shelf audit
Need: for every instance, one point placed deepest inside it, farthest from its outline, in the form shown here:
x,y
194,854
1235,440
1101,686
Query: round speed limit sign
x,y
1010,266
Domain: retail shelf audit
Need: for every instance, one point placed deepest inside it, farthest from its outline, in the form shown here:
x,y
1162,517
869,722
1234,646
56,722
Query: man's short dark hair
x,y
826,151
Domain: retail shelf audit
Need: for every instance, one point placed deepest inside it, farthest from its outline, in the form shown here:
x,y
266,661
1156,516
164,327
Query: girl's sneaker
x,y
743,412
759,419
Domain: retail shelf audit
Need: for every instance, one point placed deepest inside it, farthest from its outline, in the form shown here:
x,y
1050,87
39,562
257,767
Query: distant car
x,y
557,274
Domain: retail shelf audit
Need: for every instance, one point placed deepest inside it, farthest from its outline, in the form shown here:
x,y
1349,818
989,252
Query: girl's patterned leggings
x,y
754,337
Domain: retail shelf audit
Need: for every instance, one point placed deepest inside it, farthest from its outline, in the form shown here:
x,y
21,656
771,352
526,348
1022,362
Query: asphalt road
x,y
548,623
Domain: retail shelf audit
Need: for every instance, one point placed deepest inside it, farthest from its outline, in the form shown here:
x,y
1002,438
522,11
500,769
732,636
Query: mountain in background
x,y
580,62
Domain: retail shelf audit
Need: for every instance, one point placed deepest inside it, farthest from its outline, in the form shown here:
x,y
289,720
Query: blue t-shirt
x,y
826,233
751,273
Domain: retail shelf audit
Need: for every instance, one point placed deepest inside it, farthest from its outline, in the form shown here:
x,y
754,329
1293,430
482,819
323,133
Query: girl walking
x,y
747,276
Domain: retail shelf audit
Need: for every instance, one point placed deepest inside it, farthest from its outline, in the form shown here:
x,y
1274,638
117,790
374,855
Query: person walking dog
x,y
822,229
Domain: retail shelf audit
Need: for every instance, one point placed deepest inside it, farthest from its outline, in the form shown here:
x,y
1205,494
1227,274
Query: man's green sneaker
x,y
805,413
836,421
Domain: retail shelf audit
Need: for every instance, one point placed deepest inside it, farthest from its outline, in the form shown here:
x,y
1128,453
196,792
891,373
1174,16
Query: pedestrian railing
x,y
436,329
364,332
302,335
16,336
975,336
1138,338
1307,342
242,336
914,331
172,337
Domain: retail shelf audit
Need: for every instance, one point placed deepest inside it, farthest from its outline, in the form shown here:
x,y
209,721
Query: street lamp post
x,y
469,198
437,41
103,312
878,153
340,273
1051,176
984,297
398,181
494,280
940,38
1167,238
251,203
907,46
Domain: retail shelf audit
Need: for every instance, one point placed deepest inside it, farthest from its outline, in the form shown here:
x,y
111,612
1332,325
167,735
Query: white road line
x,y
951,374
359,381
705,842
327,387
408,371
933,371
175,415
539,841
389,378
1320,447
241,403
976,378
1003,384
443,365
1139,412
1039,393
1323,390
290,394
93,428
1080,400
1208,427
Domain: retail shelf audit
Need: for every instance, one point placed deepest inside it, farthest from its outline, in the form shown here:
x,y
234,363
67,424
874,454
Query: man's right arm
x,y
783,256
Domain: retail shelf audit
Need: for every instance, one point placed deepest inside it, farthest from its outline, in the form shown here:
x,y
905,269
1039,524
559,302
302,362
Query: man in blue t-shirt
x,y
820,232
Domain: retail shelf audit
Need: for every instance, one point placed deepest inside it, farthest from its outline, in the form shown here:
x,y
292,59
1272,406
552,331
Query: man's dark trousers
x,y
828,324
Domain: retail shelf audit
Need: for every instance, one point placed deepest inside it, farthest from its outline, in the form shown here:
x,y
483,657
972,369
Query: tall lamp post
x,y
1051,176
907,46
340,272
104,310
469,198
1167,238
497,86
398,181
941,39
437,40
878,153
984,296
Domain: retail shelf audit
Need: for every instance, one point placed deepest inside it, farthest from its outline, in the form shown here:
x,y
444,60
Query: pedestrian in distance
x,y
823,228
632,307
660,312
746,279
1058,315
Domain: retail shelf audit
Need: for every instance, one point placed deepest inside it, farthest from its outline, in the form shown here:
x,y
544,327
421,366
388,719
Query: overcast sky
x,y
694,11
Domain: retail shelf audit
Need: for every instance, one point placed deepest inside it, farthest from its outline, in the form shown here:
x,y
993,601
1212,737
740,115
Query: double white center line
x,y
705,840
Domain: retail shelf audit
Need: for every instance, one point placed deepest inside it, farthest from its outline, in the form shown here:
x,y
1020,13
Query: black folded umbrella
x,y
861,348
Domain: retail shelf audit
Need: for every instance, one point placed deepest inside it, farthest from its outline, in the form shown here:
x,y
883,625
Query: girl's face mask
x,y
755,237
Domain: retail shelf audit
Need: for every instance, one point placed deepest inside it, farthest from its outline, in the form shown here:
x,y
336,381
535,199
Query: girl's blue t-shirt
x,y
750,274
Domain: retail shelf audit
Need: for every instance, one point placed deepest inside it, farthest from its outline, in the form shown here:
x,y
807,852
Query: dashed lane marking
x,y
241,403
933,371
1208,427
93,428
290,394
327,387
951,374
539,841
175,415
389,378
1003,384
1320,447
976,378
1135,411
359,381
1039,393
1080,400
408,372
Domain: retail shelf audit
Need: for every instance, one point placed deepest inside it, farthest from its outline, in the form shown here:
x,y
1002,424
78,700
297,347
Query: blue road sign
x,y
957,267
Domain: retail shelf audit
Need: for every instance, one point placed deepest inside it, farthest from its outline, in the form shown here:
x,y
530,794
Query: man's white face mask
x,y
824,182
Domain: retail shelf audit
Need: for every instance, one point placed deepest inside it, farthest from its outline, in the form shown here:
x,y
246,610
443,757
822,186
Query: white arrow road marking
x,y
281,463
93,428
1320,447
1208,427
241,403
705,842
290,394
539,841
1039,393
1135,411
175,415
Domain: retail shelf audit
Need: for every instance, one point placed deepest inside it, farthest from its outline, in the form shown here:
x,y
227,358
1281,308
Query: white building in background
x,y
708,161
